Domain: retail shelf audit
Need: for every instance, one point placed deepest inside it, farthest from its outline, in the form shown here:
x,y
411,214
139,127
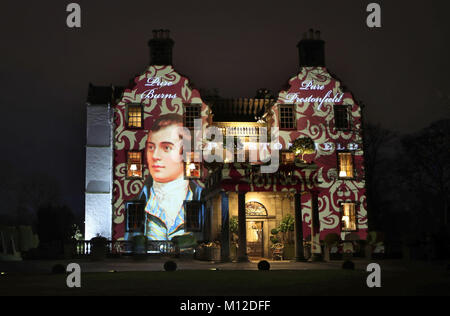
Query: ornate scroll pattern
x,y
168,97
315,119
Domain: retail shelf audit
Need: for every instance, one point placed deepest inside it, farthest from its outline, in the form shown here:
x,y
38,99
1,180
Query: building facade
x,y
255,172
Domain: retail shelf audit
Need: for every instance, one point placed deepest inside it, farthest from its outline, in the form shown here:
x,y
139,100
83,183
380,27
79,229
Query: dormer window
x,y
287,116
341,117
135,116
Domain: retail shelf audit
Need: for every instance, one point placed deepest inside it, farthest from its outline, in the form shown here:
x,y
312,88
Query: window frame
x,y
185,117
191,160
128,116
347,109
141,229
187,219
341,211
353,177
127,166
285,152
294,123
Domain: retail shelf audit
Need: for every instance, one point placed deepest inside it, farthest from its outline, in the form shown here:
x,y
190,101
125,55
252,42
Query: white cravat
x,y
170,197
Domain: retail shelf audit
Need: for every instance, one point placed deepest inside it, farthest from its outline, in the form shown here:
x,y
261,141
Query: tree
x,y
429,152
55,224
376,140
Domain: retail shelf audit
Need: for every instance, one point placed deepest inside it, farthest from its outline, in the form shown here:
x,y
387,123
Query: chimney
x,y
311,50
161,48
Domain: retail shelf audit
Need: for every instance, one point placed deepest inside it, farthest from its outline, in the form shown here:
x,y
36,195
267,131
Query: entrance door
x,y
255,245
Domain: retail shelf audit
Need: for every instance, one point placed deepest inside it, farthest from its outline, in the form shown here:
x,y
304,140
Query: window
x,y
135,217
341,117
191,112
348,217
345,163
287,117
193,217
255,209
287,157
134,164
192,169
135,116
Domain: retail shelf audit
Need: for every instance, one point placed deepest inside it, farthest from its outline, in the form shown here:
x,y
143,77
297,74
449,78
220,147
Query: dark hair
x,y
166,120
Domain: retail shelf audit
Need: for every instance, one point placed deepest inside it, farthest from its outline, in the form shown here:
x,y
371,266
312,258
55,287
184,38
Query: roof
x,y
238,110
103,94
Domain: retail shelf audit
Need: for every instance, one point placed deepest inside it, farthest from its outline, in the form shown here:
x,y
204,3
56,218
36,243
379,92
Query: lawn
x,y
232,283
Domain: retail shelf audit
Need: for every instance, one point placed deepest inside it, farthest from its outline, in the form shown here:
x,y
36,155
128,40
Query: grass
x,y
232,283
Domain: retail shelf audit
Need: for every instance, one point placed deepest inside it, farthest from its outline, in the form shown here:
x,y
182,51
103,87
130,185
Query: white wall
x,y
99,161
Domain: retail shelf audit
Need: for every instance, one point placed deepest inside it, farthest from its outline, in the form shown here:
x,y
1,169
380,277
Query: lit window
x,y
255,209
191,112
345,162
287,157
134,116
193,217
287,117
134,164
135,217
348,219
192,169
341,117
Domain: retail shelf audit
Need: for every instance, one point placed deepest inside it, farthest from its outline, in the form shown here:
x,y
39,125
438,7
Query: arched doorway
x,y
256,214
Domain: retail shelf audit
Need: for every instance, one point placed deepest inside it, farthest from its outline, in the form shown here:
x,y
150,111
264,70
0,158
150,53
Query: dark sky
x,y
399,71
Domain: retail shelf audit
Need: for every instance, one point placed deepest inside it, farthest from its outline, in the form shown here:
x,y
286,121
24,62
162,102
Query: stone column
x,y
299,252
242,249
225,233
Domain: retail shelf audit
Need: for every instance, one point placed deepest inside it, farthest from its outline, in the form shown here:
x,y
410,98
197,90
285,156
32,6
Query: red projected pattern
x,y
160,90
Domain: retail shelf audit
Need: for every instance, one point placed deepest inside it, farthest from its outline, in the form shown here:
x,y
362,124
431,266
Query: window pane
x,y
345,165
287,158
134,164
348,217
193,215
192,169
287,117
135,116
191,112
135,217
341,117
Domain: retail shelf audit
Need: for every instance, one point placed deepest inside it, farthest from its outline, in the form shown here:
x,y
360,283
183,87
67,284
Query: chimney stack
x,y
311,50
161,46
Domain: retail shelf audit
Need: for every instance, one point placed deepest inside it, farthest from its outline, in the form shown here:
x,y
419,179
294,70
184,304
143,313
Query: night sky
x,y
399,71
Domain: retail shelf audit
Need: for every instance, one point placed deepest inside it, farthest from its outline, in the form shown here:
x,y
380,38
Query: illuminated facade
x,y
130,190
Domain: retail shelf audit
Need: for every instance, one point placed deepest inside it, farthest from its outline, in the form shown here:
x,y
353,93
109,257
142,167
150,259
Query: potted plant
x,y
139,246
286,228
331,242
234,229
374,245
98,248
277,246
184,242
209,251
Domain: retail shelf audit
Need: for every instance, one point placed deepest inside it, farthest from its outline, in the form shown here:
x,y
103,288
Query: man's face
x,y
163,154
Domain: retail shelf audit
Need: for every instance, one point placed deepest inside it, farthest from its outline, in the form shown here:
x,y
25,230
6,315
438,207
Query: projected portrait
x,y
166,189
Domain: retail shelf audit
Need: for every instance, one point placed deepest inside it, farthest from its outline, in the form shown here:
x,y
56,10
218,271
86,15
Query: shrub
x,y
331,239
348,265
170,266
263,265
58,269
